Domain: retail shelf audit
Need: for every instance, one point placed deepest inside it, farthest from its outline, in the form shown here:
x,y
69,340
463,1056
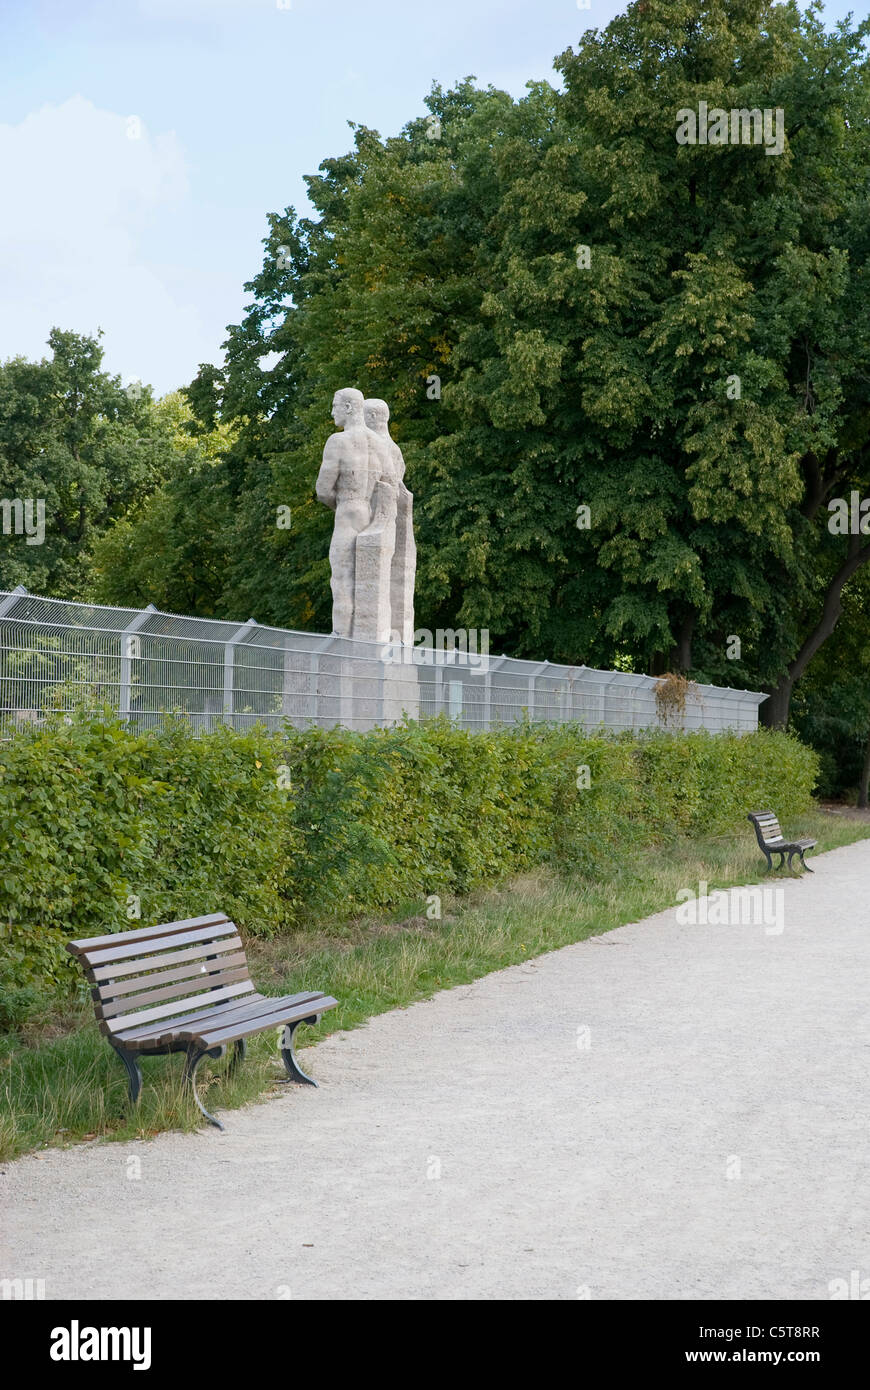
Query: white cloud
x,y
80,197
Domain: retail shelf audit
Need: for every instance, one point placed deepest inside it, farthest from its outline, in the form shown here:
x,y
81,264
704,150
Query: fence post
x,y
347,694
382,686
492,663
315,688
229,665
9,601
128,655
575,674
538,671
437,693
285,681
454,699
616,720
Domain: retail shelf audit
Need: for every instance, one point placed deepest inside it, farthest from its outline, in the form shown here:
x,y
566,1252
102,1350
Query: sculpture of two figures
x,y
372,554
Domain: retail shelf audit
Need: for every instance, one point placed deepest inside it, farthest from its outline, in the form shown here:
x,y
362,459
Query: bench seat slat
x,y
139,967
165,943
248,1006
168,1030
242,1028
193,988
262,1008
162,1032
117,1025
90,943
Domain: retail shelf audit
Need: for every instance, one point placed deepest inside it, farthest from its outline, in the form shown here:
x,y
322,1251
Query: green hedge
x,y
270,827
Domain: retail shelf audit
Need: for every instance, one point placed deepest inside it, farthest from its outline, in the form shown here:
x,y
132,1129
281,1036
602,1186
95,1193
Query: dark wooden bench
x,y
771,840
185,987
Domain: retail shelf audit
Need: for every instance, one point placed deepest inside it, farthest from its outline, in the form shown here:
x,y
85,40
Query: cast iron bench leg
x,y
800,854
192,1060
294,1071
134,1071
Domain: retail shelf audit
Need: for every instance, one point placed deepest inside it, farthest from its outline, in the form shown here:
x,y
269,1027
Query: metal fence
x,y
57,655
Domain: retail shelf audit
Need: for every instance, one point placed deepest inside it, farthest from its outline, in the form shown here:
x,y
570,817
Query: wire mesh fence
x,y
58,655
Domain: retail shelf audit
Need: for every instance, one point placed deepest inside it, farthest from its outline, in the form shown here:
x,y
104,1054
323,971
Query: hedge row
x,y
97,823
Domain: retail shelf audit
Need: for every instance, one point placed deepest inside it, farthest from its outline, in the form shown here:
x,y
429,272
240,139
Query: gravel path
x,y
666,1111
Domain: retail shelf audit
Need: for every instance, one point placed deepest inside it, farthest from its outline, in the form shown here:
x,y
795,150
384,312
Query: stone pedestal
x,y
360,685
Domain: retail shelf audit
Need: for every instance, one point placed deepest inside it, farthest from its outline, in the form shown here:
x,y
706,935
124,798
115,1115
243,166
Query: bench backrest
x,y
766,826
154,973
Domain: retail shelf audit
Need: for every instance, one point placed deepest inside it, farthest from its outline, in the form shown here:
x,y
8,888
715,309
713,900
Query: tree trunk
x,y
864,787
774,712
681,656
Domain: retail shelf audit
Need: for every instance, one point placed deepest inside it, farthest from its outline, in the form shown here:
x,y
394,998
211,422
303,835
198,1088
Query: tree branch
x,y
856,557
814,485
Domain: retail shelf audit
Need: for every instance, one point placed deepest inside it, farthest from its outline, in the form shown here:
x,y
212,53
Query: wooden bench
x,y
185,987
771,840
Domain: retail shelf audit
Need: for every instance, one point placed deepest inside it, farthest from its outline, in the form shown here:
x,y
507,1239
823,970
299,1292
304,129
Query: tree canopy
x,y
568,308
74,439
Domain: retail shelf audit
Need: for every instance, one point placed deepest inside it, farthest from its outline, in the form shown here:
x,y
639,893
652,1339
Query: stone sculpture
x,y
403,569
372,554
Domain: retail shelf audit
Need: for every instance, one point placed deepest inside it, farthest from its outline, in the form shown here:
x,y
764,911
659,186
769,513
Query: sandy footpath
x,y
665,1111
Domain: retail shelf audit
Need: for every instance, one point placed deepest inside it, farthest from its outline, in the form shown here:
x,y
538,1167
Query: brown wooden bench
x,y
185,987
771,840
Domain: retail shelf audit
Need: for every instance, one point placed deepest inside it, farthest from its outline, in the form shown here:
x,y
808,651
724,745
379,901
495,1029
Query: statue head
x,y
377,413
347,406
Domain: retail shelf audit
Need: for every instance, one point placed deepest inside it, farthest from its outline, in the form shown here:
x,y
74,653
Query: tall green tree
x,y
75,441
172,547
699,377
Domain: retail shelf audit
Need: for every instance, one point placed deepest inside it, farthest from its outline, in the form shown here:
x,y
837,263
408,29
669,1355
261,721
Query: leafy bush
x,y
97,823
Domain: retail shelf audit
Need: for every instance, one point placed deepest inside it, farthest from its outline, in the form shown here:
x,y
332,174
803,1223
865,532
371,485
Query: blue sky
x,y
143,142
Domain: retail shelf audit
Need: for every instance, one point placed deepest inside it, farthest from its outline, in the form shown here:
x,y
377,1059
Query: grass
x,y
60,1083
